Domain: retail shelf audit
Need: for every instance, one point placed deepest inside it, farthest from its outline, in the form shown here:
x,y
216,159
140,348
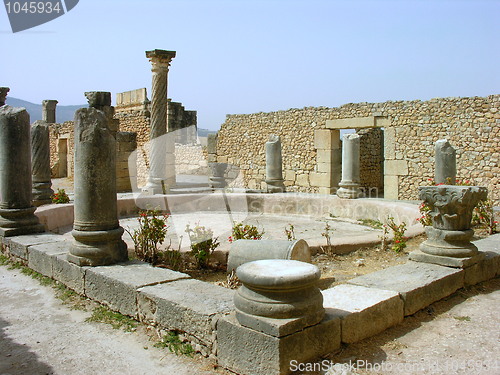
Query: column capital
x,y
49,102
3,94
160,56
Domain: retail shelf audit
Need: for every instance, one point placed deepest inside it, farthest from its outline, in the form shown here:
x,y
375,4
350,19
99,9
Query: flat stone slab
x,y
420,256
116,286
191,306
419,284
364,312
41,257
18,245
245,351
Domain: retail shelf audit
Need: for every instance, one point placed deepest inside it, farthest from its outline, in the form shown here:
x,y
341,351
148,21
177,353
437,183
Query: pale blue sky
x,y
240,56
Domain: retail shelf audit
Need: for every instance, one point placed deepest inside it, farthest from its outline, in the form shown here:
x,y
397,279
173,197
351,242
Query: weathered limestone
x,y
3,95
349,186
16,210
49,111
279,318
40,163
217,178
161,155
448,240
126,161
274,165
96,231
244,251
445,171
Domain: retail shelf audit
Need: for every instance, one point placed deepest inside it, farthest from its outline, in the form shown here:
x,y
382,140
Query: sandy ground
x,y
39,335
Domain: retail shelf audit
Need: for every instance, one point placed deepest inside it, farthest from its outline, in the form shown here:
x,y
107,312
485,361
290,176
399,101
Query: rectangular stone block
x,y
116,286
391,187
396,167
351,123
18,245
320,179
326,139
419,284
324,168
485,269
41,257
324,156
191,306
364,312
69,274
248,352
389,143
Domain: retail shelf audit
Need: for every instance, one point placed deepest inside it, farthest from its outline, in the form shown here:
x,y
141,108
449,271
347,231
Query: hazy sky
x,y
240,56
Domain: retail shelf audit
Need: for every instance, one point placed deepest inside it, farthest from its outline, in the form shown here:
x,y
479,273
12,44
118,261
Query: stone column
x,y
448,240
16,211
349,186
445,163
49,111
96,230
217,178
40,163
3,95
161,155
274,165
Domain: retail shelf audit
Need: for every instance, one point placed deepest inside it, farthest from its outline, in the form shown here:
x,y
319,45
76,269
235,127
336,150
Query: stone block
x,y
324,167
289,175
364,312
447,261
245,351
324,156
116,286
190,306
396,167
485,269
351,123
326,139
41,257
320,179
302,180
69,274
389,143
391,187
18,245
419,284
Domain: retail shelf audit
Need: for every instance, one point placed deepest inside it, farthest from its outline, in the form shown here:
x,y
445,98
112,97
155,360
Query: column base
x,y
217,182
19,221
98,248
42,193
349,191
419,256
275,186
158,186
449,243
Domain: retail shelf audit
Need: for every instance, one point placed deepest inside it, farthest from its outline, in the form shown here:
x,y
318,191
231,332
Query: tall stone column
x,y
445,163
16,211
40,163
161,155
349,185
96,230
49,111
217,179
274,165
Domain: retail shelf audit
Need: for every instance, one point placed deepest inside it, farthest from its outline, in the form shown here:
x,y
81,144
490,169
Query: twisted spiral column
x,y
40,163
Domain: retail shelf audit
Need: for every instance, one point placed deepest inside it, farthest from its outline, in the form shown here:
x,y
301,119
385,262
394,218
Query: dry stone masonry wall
x,y
472,125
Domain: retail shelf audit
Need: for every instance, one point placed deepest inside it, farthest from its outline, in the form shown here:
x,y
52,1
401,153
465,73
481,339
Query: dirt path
x,y
39,336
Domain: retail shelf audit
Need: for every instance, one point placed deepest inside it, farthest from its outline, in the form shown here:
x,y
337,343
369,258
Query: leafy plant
x,y
245,232
60,196
150,235
172,341
102,314
425,214
375,224
327,236
483,215
203,244
290,233
399,241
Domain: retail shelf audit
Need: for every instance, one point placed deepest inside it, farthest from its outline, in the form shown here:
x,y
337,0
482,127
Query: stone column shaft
x,y
349,186
16,211
96,229
40,160
49,111
446,163
274,165
160,144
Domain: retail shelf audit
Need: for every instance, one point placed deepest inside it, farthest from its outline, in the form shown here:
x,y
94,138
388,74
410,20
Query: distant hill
x,y
205,132
63,112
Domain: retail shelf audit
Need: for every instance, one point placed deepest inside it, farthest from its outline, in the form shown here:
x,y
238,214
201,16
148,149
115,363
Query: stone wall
x,y
371,160
191,159
472,125
61,149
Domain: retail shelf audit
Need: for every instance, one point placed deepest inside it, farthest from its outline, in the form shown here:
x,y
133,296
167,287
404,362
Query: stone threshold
x,y
363,307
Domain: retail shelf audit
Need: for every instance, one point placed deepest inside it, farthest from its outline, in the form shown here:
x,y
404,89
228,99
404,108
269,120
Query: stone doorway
x,y
62,153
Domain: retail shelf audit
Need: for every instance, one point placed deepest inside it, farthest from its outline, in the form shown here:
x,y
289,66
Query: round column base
x,y
450,243
275,186
18,221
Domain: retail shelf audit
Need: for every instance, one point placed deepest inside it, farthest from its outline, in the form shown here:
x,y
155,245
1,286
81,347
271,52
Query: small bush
x,y
399,242
60,197
245,232
203,244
